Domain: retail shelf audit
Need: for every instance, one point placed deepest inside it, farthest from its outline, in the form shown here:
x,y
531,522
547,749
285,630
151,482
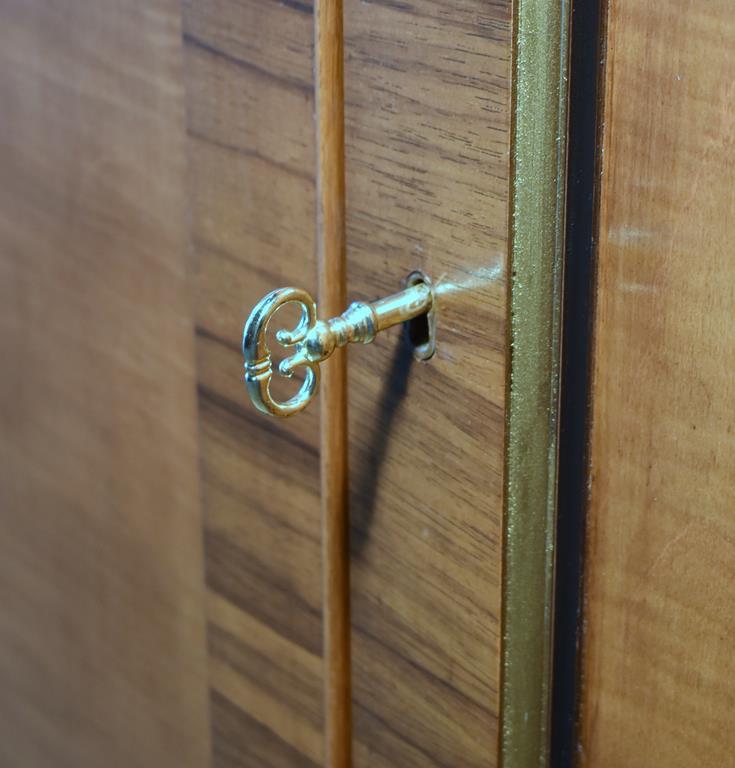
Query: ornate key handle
x,y
315,340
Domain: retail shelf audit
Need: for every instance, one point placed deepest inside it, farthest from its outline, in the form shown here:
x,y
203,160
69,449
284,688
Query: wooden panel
x,y
102,643
659,669
427,94
251,153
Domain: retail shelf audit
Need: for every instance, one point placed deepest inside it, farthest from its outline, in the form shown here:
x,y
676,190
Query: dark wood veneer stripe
x,y
243,412
286,82
240,741
248,583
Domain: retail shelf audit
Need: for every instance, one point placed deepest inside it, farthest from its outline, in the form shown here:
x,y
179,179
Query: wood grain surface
x,y
428,135
102,635
250,122
659,667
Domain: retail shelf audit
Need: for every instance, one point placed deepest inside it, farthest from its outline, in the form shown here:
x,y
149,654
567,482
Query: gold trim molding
x,y
538,176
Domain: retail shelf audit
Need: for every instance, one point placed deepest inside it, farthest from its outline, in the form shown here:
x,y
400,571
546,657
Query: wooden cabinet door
x,y
659,669
161,575
159,177
436,178
102,635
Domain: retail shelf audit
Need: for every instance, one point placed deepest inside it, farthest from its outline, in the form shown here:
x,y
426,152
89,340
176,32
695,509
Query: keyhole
x,y
417,330
420,331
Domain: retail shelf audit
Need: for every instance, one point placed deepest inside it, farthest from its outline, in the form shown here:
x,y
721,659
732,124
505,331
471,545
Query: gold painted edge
x,y
537,215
